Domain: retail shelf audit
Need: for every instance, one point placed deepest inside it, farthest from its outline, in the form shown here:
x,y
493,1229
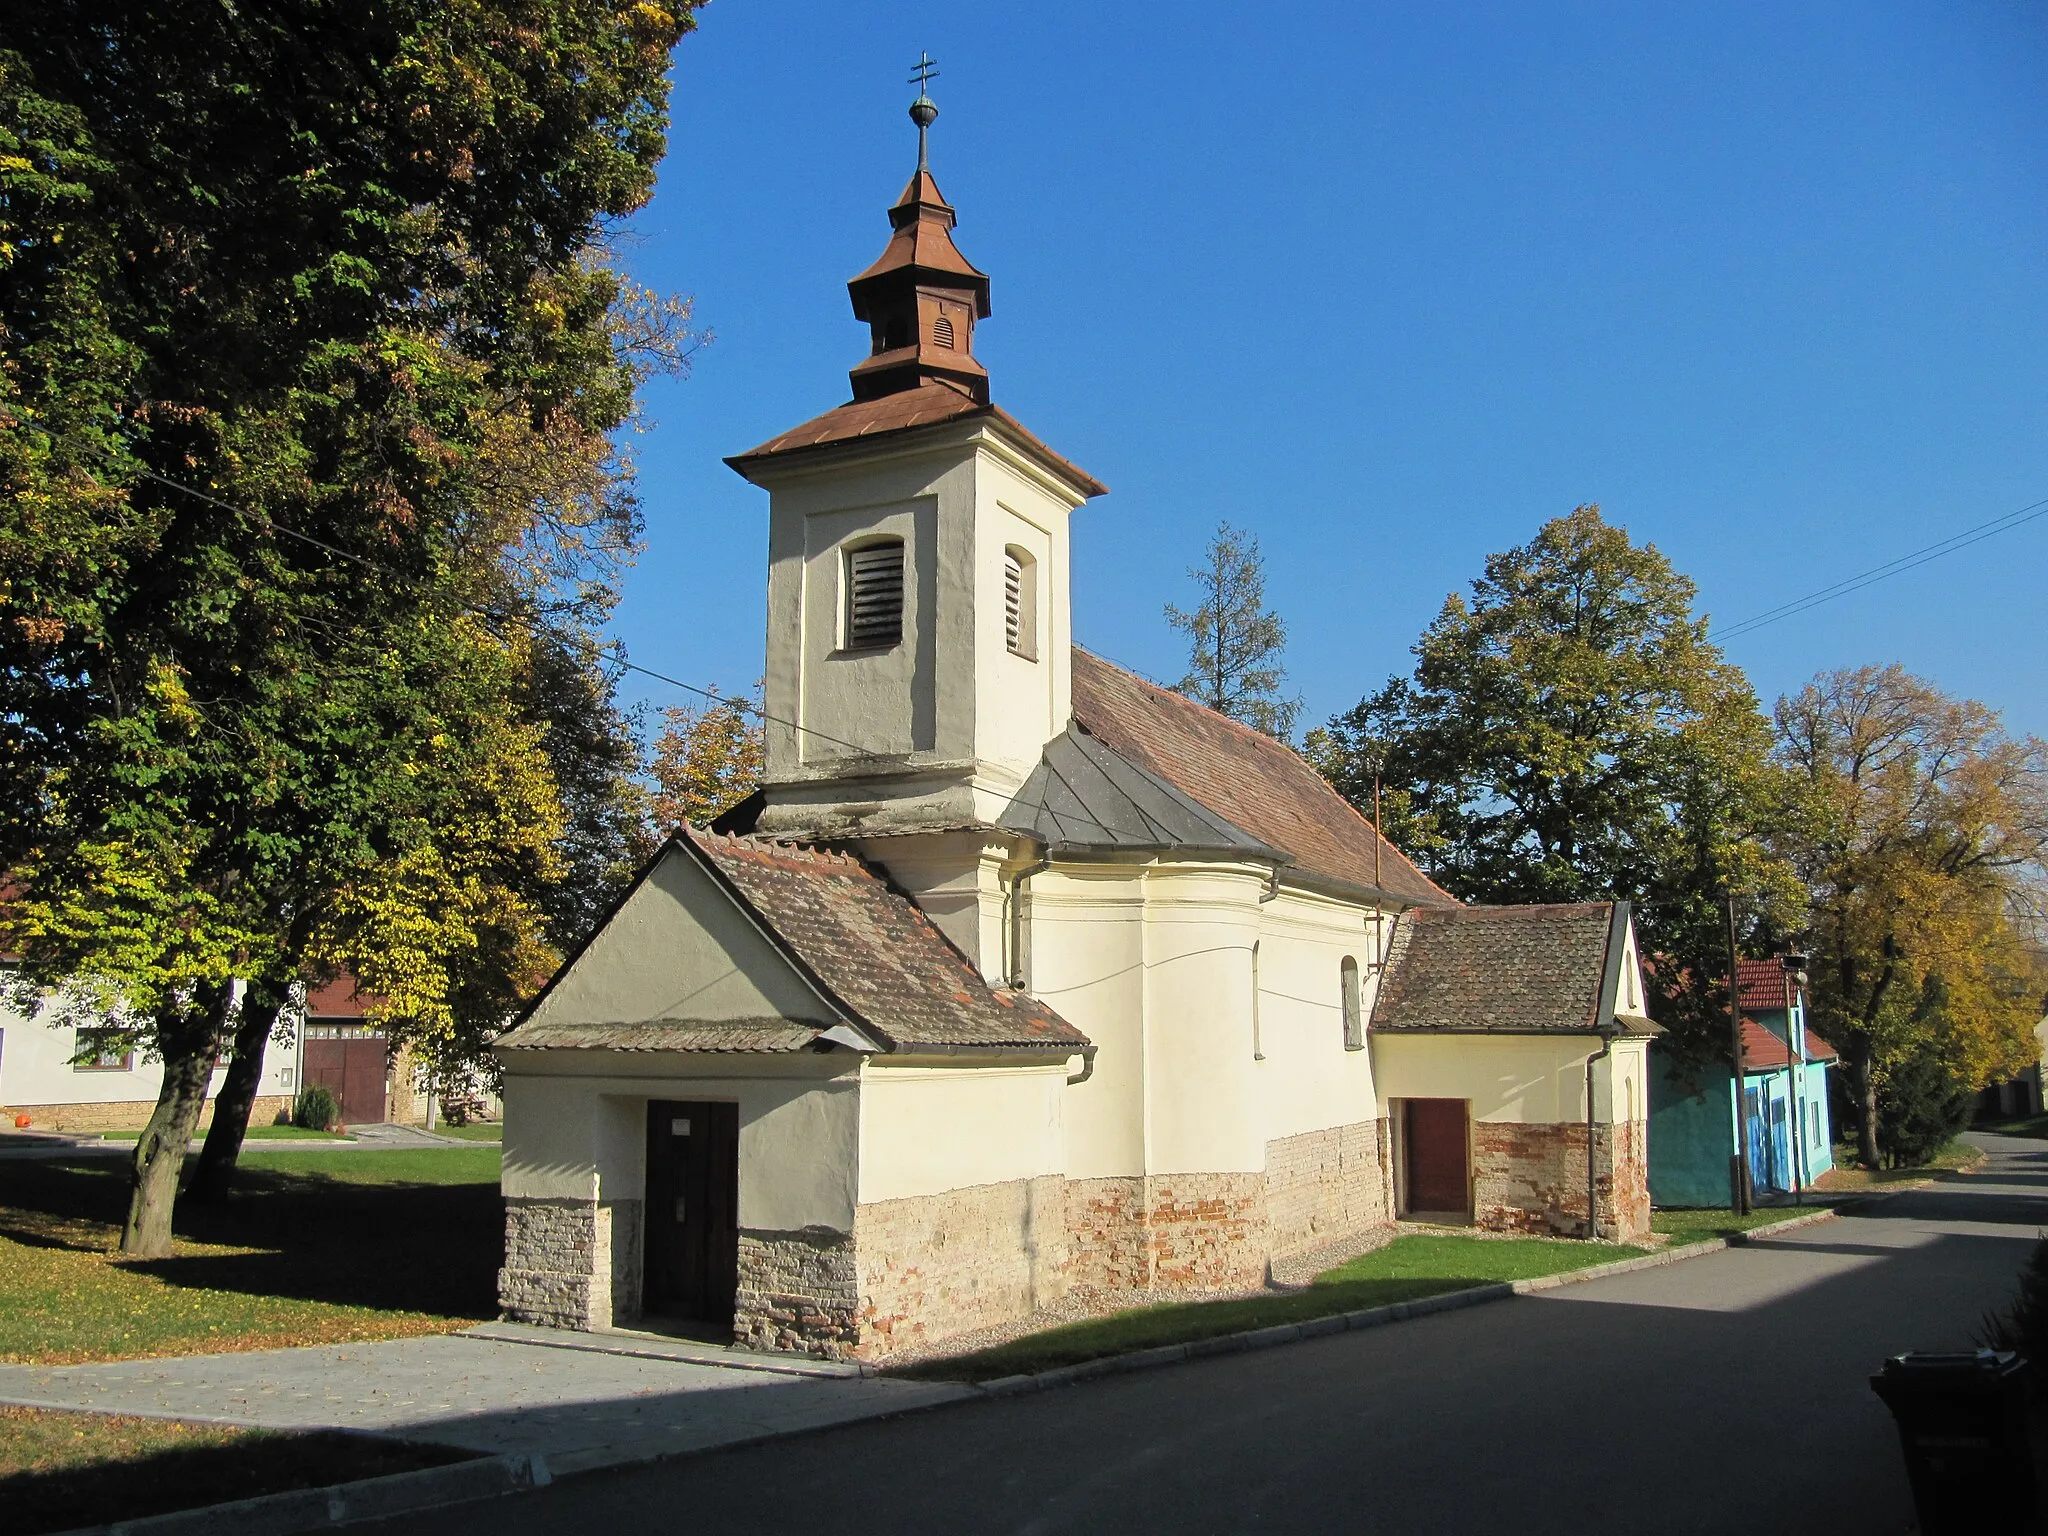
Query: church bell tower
x,y
918,631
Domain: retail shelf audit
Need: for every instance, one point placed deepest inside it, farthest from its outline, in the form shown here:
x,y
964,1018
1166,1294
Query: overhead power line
x,y
1890,568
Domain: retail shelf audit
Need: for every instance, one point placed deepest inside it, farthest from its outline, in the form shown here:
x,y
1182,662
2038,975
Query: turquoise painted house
x,y
1785,1078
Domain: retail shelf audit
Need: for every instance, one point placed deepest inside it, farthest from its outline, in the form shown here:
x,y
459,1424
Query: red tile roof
x,y
336,999
927,405
1762,983
873,952
1247,778
1763,1049
1497,970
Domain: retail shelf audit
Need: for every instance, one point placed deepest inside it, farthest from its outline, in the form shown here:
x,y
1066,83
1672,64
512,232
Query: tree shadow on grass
x,y
114,1486
388,1246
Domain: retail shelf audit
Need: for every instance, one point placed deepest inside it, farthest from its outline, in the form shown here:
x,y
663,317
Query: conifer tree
x,y
1234,640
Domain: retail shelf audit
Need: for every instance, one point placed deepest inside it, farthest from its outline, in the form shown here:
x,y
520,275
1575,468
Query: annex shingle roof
x,y
1251,781
872,952
1082,795
1499,970
1762,983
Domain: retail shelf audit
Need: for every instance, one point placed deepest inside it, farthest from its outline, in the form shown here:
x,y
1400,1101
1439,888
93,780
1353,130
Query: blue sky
x,y
1391,285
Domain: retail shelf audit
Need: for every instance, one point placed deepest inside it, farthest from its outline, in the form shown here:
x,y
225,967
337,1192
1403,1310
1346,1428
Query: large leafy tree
x,y
1235,642
706,759
1569,734
1925,862
310,367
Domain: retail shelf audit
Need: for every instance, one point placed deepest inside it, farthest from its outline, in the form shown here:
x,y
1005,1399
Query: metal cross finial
x,y
923,110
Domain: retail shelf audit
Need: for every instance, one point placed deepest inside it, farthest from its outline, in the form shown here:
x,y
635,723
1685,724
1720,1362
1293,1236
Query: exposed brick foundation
x,y
571,1263
1532,1178
1167,1231
1321,1185
942,1264
131,1114
798,1291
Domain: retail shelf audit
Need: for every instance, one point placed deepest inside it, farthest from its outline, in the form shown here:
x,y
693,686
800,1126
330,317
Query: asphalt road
x,y
1728,1393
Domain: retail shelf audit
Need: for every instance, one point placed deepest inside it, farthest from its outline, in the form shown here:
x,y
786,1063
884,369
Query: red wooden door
x,y
1436,1156
349,1062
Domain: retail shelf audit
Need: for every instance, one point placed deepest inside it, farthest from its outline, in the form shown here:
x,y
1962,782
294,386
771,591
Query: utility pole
x,y
1738,1165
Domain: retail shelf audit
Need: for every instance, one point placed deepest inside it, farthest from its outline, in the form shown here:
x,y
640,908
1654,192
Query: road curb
x,y
1379,1317
319,1509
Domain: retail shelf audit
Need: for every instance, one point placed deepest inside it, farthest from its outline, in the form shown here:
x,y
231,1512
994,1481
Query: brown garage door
x,y
1434,1143
349,1061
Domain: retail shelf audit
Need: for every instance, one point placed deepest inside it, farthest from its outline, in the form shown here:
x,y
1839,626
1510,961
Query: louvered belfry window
x,y
874,594
942,331
1013,602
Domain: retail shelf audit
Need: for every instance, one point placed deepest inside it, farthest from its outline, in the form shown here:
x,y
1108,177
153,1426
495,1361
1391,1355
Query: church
x,y
1020,975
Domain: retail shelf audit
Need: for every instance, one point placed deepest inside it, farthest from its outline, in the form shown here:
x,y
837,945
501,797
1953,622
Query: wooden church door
x,y
692,1211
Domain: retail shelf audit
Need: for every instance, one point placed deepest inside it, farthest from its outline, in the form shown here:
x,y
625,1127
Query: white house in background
x,y
61,1076
1021,974
64,1077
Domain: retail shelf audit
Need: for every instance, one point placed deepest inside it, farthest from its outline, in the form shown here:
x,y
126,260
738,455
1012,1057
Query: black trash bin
x,y
1963,1424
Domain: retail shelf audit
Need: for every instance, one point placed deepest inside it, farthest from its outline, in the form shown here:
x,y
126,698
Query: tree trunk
x,y
216,1170
188,1036
1864,1078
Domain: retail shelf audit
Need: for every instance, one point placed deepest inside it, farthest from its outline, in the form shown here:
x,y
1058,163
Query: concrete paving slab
x,y
496,1395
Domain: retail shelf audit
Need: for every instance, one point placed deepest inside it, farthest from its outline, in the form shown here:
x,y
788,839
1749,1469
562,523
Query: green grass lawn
x,y
1684,1227
363,1245
1407,1268
482,1130
62,1470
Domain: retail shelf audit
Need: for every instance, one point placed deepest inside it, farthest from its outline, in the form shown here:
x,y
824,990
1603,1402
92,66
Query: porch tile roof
x,y
872,952
1763,1049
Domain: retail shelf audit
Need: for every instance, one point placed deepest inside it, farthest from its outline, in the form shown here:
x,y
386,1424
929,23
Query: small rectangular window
x,y
102,1050
874,595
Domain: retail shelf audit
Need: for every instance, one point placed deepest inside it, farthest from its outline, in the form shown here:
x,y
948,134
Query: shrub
x,y
1921,1108
2024,1325
316,1108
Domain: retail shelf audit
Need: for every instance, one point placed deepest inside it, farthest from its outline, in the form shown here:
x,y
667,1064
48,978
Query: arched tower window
x,y
942,331
874,594
1354,1014
1020,603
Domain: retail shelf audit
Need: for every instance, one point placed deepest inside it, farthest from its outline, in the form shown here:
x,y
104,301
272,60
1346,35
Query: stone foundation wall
x,y
571,1263
936,1265
1532,1178
130,1114
799,1292
1321,1185
1167,1231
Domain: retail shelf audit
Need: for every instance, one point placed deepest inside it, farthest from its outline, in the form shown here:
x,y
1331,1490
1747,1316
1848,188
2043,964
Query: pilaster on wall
x,y
1532,1178
1181,1231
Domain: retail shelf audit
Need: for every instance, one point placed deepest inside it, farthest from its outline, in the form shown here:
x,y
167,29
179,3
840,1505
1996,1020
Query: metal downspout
x,y
1607,1038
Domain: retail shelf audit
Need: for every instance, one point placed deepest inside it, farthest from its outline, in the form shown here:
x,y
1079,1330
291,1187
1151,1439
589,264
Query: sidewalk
x,y
580,1401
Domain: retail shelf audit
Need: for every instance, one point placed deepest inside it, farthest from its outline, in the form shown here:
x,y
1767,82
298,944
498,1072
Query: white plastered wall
x,y
679,948
1307,1080
1513,1079
928,1129
576,1128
